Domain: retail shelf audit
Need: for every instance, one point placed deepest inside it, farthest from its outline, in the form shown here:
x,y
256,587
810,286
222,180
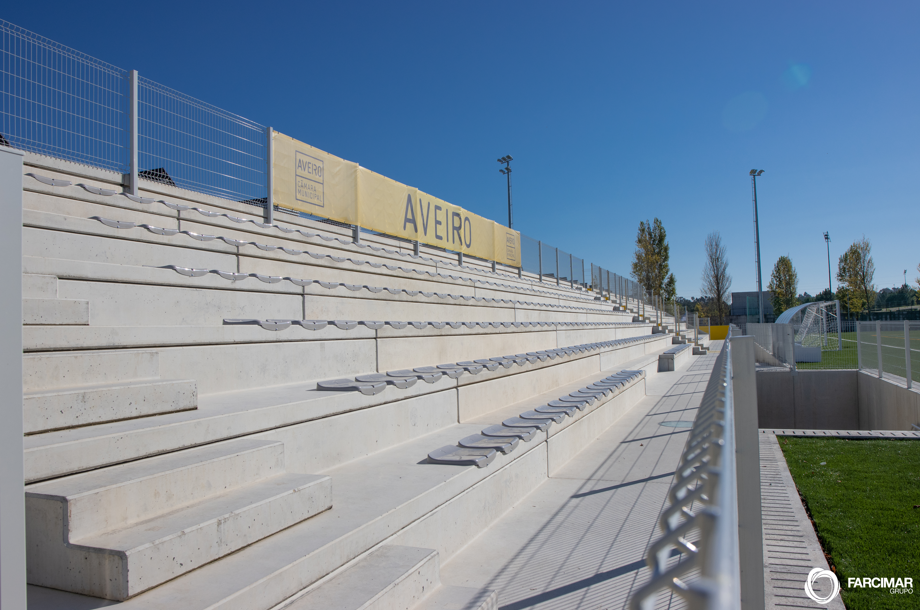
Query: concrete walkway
x,y
791,547
579,540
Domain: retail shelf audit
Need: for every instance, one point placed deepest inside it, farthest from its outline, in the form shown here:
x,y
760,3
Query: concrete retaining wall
x,y
834,400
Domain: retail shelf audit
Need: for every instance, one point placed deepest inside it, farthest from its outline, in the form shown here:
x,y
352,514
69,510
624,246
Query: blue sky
x,y
613,112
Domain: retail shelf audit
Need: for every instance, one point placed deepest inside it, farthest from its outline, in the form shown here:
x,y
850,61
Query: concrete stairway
x,y
41,305
392,577
181,449
116,532
68,390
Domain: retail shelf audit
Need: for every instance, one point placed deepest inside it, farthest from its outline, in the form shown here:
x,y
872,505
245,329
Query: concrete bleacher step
x,y
35,286
448,597
55,312
392,577
87,405
118,531
389,577
79,388
41,304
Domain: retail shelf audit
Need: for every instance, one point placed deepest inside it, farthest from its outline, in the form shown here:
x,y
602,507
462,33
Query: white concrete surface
x,y
12,500
390,578
55,312
87,405
579,540
115,532
154,519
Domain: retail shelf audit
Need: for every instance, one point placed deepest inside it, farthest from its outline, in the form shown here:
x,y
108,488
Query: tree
x,y
670,288
716,280
650,266
784,283
856,272
918,278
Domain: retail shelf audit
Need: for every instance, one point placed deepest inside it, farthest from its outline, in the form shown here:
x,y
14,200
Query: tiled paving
x,y
899,434
579,540
791,548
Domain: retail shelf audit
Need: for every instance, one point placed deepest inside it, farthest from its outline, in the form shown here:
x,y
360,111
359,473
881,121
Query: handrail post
x,y
878,343
132,131
269,178
747,469
858,348
907,354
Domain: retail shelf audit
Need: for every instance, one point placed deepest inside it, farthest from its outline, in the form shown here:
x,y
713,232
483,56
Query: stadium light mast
x,y
827,240
754,173
507,159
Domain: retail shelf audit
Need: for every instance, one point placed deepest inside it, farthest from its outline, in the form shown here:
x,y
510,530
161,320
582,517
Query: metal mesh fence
x,y
530,254
188,143
59,102
63,103
890,350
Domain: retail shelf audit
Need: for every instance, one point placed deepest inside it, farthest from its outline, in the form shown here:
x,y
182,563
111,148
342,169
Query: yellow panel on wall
x,y
313,181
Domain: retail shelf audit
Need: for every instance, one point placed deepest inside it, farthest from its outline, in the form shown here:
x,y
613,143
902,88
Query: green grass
x,y
892,354
862,502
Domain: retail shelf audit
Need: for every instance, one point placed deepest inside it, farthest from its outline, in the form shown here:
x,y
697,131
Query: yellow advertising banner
x,y
507,245
312,181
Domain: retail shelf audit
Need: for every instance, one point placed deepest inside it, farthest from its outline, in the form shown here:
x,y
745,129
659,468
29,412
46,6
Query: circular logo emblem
x,y
814,575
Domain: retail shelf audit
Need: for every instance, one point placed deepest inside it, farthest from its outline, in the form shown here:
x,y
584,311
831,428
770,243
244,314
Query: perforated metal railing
x,y
697,555
188,143
60,102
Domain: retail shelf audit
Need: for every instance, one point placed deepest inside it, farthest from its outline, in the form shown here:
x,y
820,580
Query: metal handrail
x,y
703,501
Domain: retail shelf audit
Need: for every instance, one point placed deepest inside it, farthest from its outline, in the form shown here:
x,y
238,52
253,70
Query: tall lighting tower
x,y
507,159
754,173
827,240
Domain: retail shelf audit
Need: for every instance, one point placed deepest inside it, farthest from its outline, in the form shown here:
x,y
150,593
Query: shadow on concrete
x,y
622,485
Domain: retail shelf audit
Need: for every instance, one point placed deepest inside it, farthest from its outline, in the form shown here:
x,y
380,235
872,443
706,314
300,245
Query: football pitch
x,y
892,346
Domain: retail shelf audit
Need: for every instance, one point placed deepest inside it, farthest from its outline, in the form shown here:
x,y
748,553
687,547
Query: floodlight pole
x,y
827,240
754,174
507,159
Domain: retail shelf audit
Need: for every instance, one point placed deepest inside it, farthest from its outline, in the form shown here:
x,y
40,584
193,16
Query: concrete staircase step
x,y
55,312
86,405
111,498
121,563
35,286
389,578
43,372
448,597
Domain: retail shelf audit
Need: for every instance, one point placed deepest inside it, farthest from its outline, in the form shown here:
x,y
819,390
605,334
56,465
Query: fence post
x,y
355,233
540,258
839,324
269,178
878,343
858,348
556,250
493,266
907,354
571,272
132,130
583,280
416,251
